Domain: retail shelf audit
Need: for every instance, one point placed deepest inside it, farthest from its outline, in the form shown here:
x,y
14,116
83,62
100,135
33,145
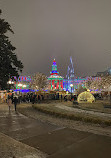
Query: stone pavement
x,y
52,140
10,148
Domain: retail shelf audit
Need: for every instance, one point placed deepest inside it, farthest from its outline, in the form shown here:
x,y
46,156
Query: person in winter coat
x,y
9,101
15,101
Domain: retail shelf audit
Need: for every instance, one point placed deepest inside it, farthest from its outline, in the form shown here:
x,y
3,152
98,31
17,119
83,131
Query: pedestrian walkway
x,y
52,140
10,148
15,127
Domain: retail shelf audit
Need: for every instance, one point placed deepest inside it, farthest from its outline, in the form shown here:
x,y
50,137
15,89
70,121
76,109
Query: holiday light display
x,y
21,82
39,82
70,83
55,81
71,79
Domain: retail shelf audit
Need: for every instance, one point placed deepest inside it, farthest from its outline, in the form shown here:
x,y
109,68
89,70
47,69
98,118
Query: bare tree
x,y
39,81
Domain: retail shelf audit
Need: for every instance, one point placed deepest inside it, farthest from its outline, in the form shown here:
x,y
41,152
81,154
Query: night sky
x,y
47,29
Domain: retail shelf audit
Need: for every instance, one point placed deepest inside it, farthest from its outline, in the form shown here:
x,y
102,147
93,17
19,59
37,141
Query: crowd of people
x,y
37,97
14,98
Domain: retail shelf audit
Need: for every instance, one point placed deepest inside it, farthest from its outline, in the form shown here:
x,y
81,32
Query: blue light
x,y
54,71
24,90
54,63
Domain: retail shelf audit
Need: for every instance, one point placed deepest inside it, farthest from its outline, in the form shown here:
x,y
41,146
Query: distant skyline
x,y
48,29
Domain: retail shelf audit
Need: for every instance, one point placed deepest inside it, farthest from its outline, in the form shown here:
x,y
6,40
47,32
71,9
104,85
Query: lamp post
x,y
24,86
71,85
10,83
20,85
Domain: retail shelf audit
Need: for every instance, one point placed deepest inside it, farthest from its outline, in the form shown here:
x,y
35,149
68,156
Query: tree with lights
x,y
39,82
9,63
103,83
88,83
96,84
106,81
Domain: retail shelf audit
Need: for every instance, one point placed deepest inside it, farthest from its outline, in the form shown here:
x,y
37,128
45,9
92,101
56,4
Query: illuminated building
x,y
71,79
71,83
55,81
21,82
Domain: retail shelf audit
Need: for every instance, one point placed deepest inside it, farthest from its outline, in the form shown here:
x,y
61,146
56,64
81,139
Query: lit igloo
x,y
85,97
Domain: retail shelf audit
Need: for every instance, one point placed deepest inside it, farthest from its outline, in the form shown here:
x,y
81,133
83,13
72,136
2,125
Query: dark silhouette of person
x,y
38,98
75,98
61,97
65,98
15,101
9,101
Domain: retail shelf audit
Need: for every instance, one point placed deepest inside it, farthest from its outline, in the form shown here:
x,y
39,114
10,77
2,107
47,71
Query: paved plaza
x,y
21,134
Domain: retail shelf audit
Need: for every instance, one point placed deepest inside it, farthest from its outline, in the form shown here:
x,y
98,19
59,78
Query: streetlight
x,y
71,85
10,83
24,86
20,85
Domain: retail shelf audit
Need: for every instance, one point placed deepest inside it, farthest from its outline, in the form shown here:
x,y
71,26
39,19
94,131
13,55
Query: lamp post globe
x,y
71,85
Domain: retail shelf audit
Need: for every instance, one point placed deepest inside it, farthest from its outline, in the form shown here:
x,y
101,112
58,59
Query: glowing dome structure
x,y
85,97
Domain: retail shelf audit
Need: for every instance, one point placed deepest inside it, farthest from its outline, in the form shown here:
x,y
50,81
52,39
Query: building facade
x,y
21,82
71,83
55,81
